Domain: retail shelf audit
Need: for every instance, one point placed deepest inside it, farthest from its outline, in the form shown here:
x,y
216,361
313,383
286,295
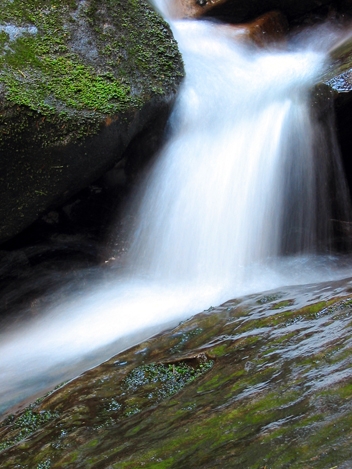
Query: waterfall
x,y
243,178
238,201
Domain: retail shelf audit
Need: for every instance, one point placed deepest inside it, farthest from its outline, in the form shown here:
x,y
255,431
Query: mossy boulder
x,y
260,382
78,81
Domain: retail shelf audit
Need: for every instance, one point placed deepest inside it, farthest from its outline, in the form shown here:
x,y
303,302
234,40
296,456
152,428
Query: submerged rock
x,y
268,28
260,382
78,81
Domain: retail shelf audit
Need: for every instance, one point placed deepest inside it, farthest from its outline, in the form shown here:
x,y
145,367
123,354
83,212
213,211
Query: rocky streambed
x,y
260,382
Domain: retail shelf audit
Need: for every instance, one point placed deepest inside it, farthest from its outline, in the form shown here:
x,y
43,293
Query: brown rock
x,y
270,27
243,10
192,8
233,387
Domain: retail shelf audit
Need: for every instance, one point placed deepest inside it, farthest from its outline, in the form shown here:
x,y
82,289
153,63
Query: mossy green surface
x,y
100,57
245,385
78,81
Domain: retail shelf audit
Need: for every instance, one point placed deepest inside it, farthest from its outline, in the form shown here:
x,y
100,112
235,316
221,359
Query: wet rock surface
x,y
338,81
260,382
263,381
239,10
267,29
78,81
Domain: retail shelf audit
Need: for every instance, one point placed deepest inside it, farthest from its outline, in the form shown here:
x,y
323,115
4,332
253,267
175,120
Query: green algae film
x,y
278,395
124,52
78,81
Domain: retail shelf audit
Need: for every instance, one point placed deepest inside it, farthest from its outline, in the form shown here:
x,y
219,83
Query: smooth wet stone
x,y
264,381
268,28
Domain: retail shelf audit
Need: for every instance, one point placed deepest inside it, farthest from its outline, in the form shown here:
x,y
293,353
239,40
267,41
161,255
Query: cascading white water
x,y
237,182
236,185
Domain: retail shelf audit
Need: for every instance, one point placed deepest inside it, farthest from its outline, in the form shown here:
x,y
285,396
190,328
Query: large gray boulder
x,y
79,79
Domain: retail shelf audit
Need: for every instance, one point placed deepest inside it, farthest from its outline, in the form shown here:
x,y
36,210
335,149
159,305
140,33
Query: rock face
x,y
78,80
268,28
338,81
260,382
243,10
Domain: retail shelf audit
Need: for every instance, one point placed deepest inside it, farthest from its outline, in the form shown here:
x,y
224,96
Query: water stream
x,y
239,201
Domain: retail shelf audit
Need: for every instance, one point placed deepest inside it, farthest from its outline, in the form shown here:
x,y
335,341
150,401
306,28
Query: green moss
x,y
220,350
74,85
24,425
71,73
343,392
184,338
269,298
156,382
88,61
283,304
262,404
44,465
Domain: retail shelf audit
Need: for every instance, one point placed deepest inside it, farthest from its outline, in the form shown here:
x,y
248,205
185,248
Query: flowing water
x,y
240,200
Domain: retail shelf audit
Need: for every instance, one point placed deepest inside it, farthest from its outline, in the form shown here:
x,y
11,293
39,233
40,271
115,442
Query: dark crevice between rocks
x,y
69,242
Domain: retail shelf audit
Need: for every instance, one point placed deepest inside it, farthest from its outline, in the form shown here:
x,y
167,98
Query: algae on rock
x,y
78,80
260,382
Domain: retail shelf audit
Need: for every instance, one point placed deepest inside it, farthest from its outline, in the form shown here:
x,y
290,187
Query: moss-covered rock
x,y
78,80
262,382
